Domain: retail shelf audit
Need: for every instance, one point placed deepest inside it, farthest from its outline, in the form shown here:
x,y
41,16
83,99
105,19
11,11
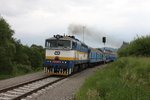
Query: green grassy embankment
x,y
126,79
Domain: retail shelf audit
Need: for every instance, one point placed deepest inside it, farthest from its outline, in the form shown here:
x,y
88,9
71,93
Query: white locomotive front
x,y
64,55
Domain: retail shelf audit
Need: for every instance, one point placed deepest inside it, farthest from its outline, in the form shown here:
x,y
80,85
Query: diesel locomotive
x,y
66,55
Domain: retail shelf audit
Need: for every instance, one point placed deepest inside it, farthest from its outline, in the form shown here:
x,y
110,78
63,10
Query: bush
x,y
138,47
20,69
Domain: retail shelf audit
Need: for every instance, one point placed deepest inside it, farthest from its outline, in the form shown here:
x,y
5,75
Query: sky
x,y
118,20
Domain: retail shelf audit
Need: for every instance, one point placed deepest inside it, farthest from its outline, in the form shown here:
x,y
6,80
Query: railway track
x,y
23,90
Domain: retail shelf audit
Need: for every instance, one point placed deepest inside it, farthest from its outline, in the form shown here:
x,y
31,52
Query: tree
x,y
15,57
7,48
36,58
40,49
22,54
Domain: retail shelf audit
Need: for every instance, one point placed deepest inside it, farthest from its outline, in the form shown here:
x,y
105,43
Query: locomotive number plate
x,y
56,61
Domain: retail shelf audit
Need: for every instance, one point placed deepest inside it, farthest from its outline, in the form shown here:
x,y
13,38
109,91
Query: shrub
x,y
138,47
21,69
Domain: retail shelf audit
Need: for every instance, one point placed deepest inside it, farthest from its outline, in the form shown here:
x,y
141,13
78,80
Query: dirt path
x,y
16,80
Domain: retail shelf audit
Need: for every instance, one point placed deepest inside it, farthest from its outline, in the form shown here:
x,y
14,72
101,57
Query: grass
x,y
126,79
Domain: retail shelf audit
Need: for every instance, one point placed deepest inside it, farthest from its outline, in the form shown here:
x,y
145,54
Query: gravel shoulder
x,y
25,78
65,89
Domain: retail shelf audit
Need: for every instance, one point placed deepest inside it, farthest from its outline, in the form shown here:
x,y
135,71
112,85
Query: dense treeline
x,y
138,47
16,58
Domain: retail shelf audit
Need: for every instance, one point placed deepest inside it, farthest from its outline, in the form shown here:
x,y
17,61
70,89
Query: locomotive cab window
x,y
74,45
58,44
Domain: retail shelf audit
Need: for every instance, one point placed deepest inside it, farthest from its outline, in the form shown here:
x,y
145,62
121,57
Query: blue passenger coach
x,y
95,56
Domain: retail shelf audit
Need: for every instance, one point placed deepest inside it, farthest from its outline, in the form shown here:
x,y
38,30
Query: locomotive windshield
x,y
58,44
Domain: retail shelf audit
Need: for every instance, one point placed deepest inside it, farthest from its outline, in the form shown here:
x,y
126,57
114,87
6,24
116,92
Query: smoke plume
x,y
92,36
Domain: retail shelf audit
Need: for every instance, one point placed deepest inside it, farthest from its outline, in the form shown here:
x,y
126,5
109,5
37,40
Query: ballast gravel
x,y
66,89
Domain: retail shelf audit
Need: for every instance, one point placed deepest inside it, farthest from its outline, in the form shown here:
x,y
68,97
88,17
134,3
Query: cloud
x,y
120,20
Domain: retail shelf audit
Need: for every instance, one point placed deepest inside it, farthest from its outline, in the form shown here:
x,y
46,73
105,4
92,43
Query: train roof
x,y
61,37
66,37
96,49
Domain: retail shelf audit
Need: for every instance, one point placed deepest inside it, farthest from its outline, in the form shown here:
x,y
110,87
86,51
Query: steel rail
x,y
37,89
